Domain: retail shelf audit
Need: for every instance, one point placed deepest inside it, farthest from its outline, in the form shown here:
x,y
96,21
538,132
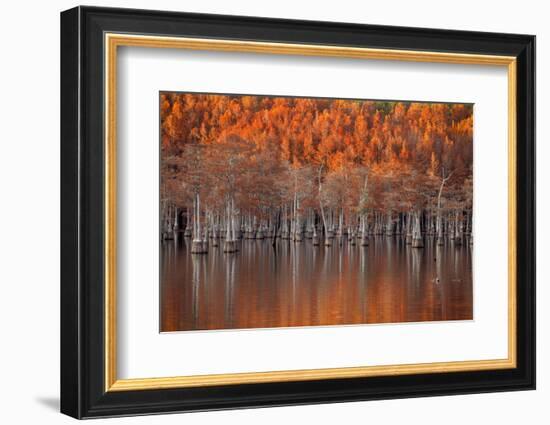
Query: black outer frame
x,y
82,212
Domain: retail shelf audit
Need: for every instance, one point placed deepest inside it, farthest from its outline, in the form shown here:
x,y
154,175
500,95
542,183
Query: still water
x,y
301,285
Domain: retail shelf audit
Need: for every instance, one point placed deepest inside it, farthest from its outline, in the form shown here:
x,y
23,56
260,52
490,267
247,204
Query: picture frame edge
x,y
83,393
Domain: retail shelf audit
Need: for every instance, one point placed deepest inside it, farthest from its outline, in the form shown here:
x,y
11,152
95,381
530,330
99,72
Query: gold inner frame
x,y
113,41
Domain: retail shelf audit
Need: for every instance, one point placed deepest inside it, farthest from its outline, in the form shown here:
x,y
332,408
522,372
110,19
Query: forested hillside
x,y
296,168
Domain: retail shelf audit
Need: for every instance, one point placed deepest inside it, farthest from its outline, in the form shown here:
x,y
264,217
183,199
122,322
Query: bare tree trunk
x,y
328,242
458,229
408,227
230,243
206,228
340,231
215,230
417,241
196,244
389,225
237,224
188,230
175,227
364,230
276,227
439,224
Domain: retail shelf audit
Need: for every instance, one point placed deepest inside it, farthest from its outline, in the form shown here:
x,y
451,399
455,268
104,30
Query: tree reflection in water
x,y
299,284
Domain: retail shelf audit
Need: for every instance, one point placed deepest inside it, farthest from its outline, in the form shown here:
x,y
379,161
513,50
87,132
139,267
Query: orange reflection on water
x,y
302,285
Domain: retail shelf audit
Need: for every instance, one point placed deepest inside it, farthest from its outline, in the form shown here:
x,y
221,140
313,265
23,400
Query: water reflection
x,y
301,285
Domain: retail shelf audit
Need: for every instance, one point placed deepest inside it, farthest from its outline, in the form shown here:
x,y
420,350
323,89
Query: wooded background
x,y
294,167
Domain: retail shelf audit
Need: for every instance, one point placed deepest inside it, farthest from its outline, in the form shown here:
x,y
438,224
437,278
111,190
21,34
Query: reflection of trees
x,y
230,261
389,242
363,279
295,260
416,255
438,260
457,259
441,283
317,289
196,283
304,285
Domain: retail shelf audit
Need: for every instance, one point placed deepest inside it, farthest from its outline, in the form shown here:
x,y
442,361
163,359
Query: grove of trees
x,y
329,170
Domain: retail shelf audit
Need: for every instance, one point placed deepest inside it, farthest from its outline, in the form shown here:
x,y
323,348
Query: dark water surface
x,y
303,285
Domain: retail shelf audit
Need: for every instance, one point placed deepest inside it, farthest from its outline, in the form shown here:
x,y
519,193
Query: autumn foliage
x,y
328,164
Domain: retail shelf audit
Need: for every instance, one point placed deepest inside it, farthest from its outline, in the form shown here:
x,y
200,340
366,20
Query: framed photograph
x,y
261,212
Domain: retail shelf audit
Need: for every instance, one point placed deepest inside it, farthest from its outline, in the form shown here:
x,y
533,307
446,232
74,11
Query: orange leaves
x,y
425,136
